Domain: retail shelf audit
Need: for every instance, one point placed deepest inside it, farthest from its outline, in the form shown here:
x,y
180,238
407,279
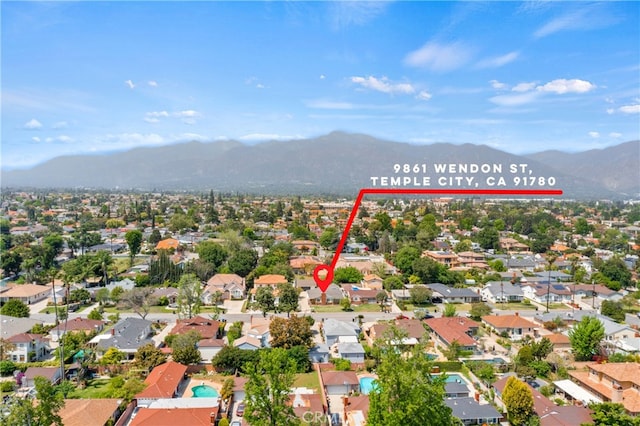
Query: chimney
x,y
517,314
212,418
113,331
323,298
616,395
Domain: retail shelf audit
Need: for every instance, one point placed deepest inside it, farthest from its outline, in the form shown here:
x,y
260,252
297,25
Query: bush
x,y
7,368
7,386
448,366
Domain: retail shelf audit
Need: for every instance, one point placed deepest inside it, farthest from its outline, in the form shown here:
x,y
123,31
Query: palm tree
x,y
551,258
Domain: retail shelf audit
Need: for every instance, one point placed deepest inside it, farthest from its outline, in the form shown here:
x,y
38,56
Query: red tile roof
x,y
452,329
163,381
174,416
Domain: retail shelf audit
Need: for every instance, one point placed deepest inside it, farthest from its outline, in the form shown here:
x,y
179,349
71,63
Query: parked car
x,y
236,423
240,410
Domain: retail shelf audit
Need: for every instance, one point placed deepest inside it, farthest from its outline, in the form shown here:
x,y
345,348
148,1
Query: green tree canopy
x,y
518,400
265,299
134,241
184,348
289,332
406,393
585,338
189,295
267,390
15,308
148,357
347,274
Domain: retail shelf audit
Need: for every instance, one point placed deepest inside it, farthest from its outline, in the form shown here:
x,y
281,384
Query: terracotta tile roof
x,y
163,381
334,378
620,371
77,324
452,329
25,290
508,321
168,243
224,279
558,339
207,328
88,412
24,338
174,417
270,279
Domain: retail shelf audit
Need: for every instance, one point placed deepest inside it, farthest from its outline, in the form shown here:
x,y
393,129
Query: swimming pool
x,y
204,391
367,385
453,378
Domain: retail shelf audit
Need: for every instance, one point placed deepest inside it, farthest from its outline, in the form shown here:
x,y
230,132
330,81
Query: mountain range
x,y
338,163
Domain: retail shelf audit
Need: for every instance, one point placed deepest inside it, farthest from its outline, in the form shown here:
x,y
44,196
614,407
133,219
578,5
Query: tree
x,y
15,308
542,348
392,283
289,332
452,353
134,241
267,390
139,300
112,357
613,309
449,310
24,412
347,274
611,413
489,238
243,261
287,298
231,359
478,310
518,400
227,389
406,392
420,295
345,304
405,257
185,348
95,314
265,299
212,253
189,295
585,338
148,357
329,238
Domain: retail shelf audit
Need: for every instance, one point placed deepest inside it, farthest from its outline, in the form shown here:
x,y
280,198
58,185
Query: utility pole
x,y
593,294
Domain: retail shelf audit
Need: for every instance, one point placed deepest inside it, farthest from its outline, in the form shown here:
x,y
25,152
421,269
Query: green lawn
x,y
307,380
515,306
96,388
370,307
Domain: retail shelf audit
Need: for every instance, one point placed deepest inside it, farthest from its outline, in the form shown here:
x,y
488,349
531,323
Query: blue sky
x,y
91,77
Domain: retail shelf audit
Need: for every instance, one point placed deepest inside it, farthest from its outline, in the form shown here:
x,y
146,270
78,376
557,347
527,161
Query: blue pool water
x,y
367,385
454,378
204,391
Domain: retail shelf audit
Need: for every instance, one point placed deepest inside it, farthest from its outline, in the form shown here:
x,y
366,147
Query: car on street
x,y
240,410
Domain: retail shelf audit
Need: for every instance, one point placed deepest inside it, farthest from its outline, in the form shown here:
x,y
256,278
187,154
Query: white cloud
x,y
498,85
439,57
35,139
384,85
594,135
151,120
523,87
514,100
157,114
582,18
562,86
61,125
615,135
423,95
630,109
61,138
498,61
322,77
346,13
611,111
187,113
260,86
191,137
33,124
324,104
152,83
130,84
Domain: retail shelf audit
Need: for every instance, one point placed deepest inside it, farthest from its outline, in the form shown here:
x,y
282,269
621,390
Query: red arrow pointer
x,y
323,282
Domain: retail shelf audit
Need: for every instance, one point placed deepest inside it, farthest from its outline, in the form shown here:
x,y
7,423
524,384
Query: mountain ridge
x,y
338,162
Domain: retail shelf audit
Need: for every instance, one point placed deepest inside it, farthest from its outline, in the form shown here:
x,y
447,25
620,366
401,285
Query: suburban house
x,y
472,259
413,328
499,292
512,245
164,381
353,352
319,353
356,410
206,327
359,295
209,348
550,414
27,293
448,294
90,412
537,291
259,329
168,244
454,329
335,331
304,264
127,336
178,411
372,281
75,325
230,286
339,382
50,373
304,403
521,263
332,295
447,258
471,412
10,326
247,343
28,347
268,280
512,326
612,382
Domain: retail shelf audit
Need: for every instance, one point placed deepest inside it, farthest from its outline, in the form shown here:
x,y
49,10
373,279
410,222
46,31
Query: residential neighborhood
x,y
153,309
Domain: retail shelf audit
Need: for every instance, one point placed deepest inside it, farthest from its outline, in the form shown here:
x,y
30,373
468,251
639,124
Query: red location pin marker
x,y
323,283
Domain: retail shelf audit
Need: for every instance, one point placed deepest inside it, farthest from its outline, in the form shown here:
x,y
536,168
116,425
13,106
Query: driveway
x,y
233,306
